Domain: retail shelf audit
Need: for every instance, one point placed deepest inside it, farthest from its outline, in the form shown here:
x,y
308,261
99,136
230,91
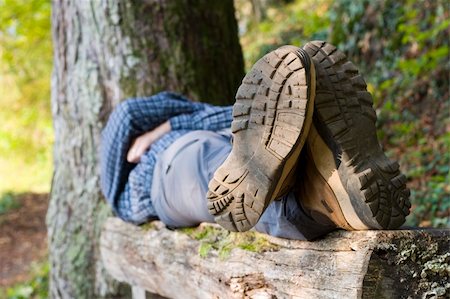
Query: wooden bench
x,y
210,262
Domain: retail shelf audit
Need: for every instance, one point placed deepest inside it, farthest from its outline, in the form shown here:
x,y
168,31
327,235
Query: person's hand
x,y
142,143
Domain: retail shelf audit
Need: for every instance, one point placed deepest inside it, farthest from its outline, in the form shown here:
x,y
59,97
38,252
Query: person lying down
x,y
293,158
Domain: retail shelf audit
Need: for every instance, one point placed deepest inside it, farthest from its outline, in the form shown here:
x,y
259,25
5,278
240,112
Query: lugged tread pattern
x,y
345,115
271,109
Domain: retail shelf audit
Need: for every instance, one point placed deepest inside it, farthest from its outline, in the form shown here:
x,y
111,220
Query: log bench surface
x,y
209,262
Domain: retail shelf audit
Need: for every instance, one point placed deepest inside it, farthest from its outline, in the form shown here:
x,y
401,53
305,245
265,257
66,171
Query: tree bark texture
x,y
344,265
106,51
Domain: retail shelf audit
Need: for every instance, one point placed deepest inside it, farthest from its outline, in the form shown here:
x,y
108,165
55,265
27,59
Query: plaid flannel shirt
x,y
127,186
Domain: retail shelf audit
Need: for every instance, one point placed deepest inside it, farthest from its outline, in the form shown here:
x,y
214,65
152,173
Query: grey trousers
x,y
180,184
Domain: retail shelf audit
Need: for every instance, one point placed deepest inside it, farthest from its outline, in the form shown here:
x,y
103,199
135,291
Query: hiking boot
x,y
368,188
271,119
313,192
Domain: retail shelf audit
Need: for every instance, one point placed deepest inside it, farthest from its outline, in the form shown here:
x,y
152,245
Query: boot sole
x,y
371,190
271,120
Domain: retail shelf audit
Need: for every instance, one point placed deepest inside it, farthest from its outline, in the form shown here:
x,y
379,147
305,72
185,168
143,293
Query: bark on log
x,y
209,262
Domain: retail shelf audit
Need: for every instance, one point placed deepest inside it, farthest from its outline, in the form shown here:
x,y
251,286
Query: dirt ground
x,y
23,238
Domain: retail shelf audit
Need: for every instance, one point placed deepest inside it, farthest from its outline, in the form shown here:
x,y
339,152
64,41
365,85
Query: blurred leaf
x,y
8,202
36,287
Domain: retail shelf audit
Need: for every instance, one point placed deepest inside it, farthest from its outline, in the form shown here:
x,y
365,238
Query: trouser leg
x,y
181,176
286,218
181,181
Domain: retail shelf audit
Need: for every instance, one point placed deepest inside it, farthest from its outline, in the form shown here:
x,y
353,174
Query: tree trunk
x,y
104,52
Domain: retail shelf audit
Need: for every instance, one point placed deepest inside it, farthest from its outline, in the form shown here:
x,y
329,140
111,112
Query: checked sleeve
x,y
208,117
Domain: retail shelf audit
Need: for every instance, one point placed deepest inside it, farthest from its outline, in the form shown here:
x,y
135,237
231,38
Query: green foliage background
x,y
26,133
401,46
402,49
